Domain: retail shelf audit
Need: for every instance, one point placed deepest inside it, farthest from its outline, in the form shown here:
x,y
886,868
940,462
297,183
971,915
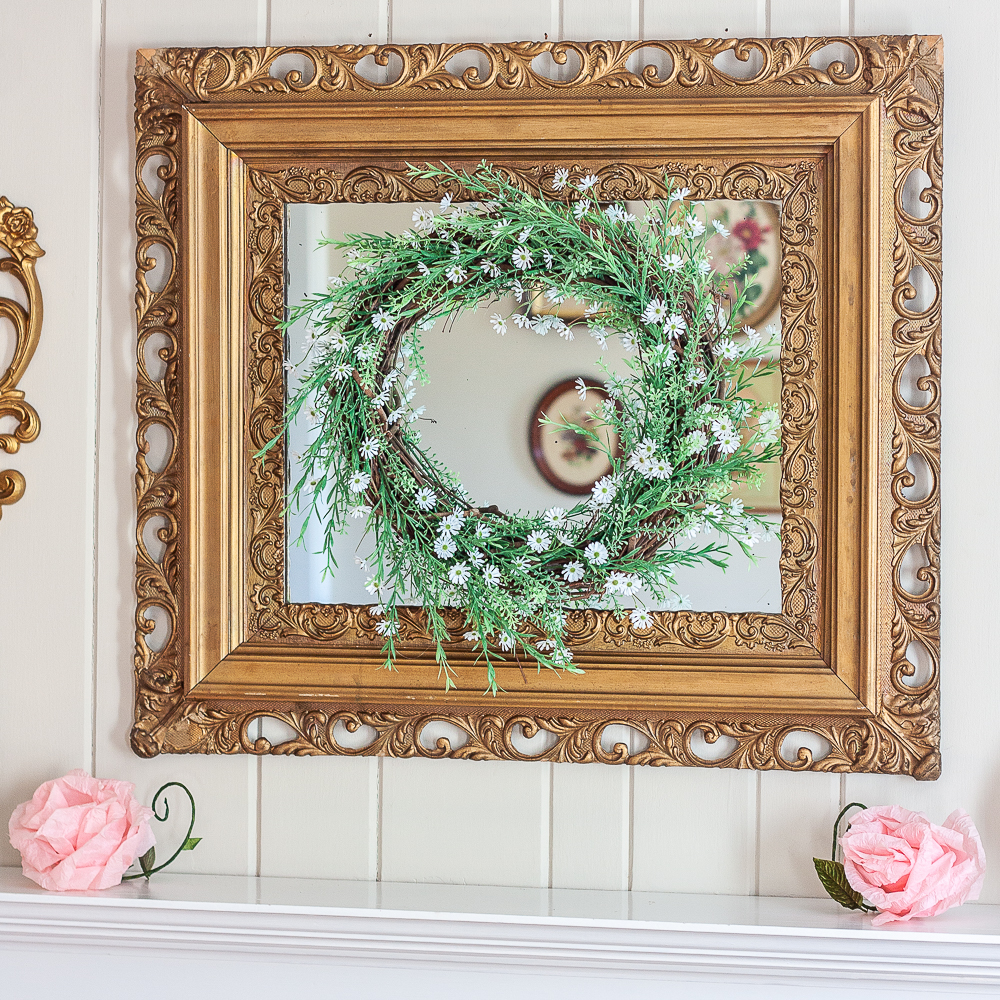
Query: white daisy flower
x,y
581,208
446,202
697,442
362,510
573,571
521,258
603,492
674,325
365,352
358,482
458,574
646,448
612,585
423,220
381,399
373,585
618,213
396,415
499,323
471,637
423,326
455,274
489,268
445,547
728,349
586,183
491,576
476,558
628,341
629,585
555,296
705,265
539,541
517,289
524,234
695,227
679,602
695,376
377,610
560,179
555,517
562,656
337,281
500,224
661,468
545,645
523,563
644,466
720,228
600,334
728,441
383,321
425,498
506,642
565,331
596,553
768,424
450,524
483,530
581,388
753,337
664,354
548,258
655,311
521,321
370,447
313,416
642,619
456,250
386,628
678,195
337,341
672,261
736,508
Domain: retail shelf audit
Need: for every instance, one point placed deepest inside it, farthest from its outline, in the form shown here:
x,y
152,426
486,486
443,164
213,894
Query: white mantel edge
x,y
556,933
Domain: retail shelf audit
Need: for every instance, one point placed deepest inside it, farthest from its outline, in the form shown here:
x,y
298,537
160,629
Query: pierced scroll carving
x,y
898,731
18,234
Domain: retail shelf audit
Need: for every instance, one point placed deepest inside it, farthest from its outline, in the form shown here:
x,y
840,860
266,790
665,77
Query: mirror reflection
x,y
487,392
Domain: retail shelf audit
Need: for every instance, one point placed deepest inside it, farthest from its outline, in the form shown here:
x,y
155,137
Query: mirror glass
x,y
486,390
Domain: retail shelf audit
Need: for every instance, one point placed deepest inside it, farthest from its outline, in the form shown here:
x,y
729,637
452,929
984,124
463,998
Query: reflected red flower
x,y
749,232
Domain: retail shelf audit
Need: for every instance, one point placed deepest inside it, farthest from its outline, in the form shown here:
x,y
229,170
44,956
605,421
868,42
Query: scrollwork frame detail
x,y
18,234
895,726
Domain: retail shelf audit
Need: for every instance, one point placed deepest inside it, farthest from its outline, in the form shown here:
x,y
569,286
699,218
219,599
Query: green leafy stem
x,y
832,876
148,860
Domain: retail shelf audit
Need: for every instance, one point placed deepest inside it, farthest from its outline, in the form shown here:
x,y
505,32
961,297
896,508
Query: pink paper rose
x,y
80,832
908,867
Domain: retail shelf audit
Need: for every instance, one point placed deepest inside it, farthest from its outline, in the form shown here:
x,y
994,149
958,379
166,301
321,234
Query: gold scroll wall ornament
x,y
17,237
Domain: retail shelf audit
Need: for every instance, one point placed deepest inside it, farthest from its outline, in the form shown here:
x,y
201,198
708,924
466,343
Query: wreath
x,y
686,430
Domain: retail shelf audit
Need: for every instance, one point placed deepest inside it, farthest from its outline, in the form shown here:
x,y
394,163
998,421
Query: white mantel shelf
x,y
546,932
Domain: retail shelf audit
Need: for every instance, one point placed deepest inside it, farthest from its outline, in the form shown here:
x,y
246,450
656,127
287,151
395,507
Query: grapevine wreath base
x,y
686,430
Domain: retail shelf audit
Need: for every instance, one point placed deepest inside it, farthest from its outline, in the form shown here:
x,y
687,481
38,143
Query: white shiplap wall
x,y
66,616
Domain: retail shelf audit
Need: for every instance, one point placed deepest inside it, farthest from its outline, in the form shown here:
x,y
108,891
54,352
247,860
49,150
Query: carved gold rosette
x,y
895,81
17,238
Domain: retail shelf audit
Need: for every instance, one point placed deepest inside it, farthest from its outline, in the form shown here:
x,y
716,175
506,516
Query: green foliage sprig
x,y
679,411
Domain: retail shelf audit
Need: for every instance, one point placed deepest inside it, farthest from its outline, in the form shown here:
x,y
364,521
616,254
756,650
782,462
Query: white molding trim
x,y
559,932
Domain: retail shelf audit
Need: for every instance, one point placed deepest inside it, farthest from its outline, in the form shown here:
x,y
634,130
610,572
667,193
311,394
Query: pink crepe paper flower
x,y
80,832
909,867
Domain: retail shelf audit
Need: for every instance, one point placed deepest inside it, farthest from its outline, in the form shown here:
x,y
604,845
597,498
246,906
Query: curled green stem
x,y
186,843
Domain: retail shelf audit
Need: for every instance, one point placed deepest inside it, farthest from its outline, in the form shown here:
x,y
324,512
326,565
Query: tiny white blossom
x,y
768,424
539,541
489,268
499,323
661,468
471,637
341,372
456,250
674,325
655,311
695,227
596,553
362,510
679,602
555,296
521,321
365,352
728,441
720,228
753,337
672,261
581,208
458,574
555,517
613,583
523,563
518,289
545,645
618,213
547,257
600,334
425,498
581,388
521,258
396,415
455,274
728,349
358,482
736,508
423,220
678,195
628,340
704,265
566,332
483,530
386,628
446,202
445,547
491,576
642,619
629,585
695,376
664,354
573,571
380,399
586,183
524,234
337,281
561,178
697,441
337,341
370,447
603,492
646,448
506,642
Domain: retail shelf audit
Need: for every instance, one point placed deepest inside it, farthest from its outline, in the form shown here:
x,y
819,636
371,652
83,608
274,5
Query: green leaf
x,y
753,293
191,843
831,875
148,861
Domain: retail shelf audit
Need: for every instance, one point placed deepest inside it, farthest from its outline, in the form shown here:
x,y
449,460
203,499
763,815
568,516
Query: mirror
x,y
485,391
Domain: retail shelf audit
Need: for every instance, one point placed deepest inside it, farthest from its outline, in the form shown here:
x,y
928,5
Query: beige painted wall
x,y
66,549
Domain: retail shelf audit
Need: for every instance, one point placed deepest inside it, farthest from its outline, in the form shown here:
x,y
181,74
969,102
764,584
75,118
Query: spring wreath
x,y
685,427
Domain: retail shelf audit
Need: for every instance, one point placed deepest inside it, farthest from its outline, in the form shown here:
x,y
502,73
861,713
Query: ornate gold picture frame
x,y
235,141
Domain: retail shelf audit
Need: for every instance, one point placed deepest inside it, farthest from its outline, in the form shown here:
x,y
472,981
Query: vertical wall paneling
x,y
797,811
815,17
703,19
224,787
694,830
586,19
319,22
48,121
460,21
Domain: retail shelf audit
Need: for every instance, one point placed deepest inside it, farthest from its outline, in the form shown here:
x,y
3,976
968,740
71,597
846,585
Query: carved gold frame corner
x,y
17,237
834,146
